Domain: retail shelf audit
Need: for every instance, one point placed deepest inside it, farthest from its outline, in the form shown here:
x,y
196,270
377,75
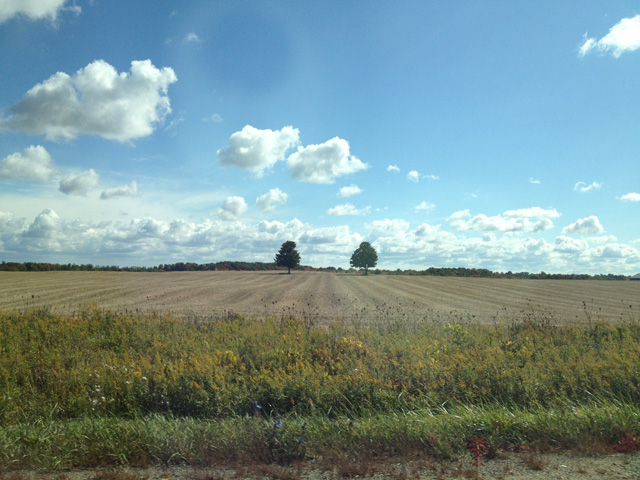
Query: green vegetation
x,y
261,266
287,256
101,388
364,256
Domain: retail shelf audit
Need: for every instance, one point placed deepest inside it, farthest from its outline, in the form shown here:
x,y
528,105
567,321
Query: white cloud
x,y
348,209
528,220
393,168
585,226
258,150
425,206
336,237
192,38
232,208
79,183
570,245
623,37
34,163
33,9
214,117
614,251
533,181
583,187
130,190
349,191
96,100
413,176
630,197
270,200
388,226
325,162
533,212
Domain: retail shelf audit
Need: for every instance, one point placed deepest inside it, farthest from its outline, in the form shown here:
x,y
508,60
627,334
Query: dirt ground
x,y
325,297
512,466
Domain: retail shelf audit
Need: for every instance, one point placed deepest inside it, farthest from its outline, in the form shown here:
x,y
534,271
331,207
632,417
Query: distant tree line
x,y
261,266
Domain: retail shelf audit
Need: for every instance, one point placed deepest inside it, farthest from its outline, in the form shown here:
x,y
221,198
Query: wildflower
x,y
277,423
256,404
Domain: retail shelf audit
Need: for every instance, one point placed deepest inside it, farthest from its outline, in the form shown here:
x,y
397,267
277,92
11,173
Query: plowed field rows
x,y
324,297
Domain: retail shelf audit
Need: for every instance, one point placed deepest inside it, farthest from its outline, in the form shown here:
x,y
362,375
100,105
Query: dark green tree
x,y
364,256
288,256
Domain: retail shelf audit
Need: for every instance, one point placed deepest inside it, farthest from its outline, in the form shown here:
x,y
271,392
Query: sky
x,y
501,135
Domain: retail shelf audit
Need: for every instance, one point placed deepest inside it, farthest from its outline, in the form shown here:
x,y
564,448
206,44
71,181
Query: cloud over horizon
x,y
527,220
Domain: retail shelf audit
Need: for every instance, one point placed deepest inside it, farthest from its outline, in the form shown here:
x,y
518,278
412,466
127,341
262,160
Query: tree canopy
x,y
364,256
288,256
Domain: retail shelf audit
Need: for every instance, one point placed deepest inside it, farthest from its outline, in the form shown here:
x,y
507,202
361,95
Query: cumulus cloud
x,y
585,226
258,150
79,183
388,226
425,206
333,236
348,209
34,163
33,9
96,100
325,162
130,190
533,181
630,197
413,176
526,220
270,200
393,168
583,187
570,245
349,191
623,37
232,208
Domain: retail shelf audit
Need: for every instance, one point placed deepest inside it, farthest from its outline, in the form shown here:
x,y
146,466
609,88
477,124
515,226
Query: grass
x,y
100,388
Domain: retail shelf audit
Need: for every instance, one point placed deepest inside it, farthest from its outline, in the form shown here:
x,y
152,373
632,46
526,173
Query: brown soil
x,y
510,466
325,297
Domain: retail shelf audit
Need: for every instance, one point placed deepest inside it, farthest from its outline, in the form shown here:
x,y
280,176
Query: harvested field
x,y
324,297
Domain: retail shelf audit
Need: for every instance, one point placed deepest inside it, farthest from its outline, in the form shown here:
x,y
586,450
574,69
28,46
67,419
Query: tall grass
x,y
100,387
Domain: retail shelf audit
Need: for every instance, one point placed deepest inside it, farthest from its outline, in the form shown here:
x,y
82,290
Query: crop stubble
x,y
324,297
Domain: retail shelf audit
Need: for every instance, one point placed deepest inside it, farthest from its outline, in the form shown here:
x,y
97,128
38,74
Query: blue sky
x,y
501,135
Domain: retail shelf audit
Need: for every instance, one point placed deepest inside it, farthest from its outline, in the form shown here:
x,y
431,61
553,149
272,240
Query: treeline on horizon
x,y
263,266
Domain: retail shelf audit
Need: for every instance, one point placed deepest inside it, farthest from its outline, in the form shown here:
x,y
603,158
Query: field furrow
x,y
324,297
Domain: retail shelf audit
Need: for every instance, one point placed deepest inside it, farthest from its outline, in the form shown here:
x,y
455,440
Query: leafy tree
x,y
364,256
288,256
